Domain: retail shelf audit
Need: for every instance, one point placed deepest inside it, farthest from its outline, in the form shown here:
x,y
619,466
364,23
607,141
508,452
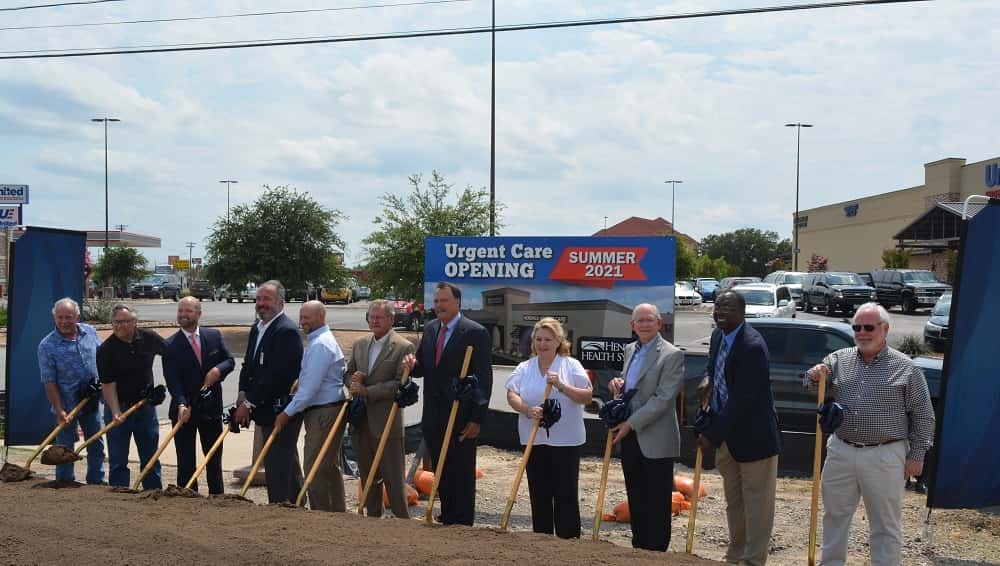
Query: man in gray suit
x,y
650,438
376,368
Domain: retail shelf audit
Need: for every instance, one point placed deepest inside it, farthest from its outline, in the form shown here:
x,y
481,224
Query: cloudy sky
x,y
590,121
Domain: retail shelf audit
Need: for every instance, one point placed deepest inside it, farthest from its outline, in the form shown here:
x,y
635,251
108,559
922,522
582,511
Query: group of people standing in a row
x,y
887,421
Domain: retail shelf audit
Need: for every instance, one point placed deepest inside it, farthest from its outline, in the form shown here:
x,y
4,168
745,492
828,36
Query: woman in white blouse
x,y
554,467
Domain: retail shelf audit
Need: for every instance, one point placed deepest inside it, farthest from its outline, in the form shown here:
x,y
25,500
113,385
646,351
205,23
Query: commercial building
x,y
924,219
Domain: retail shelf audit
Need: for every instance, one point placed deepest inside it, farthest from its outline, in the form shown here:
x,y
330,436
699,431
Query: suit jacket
x,y
382,381
437,377
269,370
184,375
653,407
748,423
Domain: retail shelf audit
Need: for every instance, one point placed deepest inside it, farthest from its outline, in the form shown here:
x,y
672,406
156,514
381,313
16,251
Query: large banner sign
x,y
588,284
965,470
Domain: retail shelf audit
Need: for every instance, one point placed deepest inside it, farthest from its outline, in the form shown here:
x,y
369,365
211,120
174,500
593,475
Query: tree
x,y
684,261
284,235
118,265
749,249
895,258
395,250
715,268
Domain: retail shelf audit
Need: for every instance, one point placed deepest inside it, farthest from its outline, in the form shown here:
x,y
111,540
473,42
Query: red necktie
x,y
196,347
440,345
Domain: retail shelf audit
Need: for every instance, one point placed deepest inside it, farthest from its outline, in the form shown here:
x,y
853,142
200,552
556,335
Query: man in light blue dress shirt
x,y
318,398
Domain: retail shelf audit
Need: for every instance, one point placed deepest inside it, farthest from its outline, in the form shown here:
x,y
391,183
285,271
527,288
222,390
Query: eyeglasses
x,y
646,320
121,322
867,327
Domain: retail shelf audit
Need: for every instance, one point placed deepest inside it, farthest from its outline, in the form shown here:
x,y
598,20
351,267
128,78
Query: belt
x,y
324,405
872,445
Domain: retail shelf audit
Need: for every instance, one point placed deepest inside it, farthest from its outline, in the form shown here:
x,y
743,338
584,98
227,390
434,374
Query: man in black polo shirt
x,y
125,364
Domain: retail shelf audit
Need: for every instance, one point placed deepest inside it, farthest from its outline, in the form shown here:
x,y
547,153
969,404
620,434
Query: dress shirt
x,y
529,384
449,329
261,329
196,334
321,380
635,364
883,401
374,349
720,391
69,363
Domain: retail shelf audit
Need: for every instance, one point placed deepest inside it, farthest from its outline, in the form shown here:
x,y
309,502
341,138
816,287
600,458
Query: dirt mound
x,y
140,530
58,484
177,491
13,472
123,489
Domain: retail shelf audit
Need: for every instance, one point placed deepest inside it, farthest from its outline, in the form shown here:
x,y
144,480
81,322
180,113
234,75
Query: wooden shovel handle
x,y
104,430
156,455
208,457
55,432
604,485
696,486
512,498
373,470
429,516
817,466
322,454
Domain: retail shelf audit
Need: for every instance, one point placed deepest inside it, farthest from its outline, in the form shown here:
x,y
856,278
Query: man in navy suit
x,y
742,429
270,367
195,361
438,360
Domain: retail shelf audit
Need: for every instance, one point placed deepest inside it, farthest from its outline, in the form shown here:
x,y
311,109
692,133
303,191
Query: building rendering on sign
x,y
924,219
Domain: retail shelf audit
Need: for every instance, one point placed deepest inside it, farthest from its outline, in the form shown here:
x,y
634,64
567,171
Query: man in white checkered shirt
x,y
888,426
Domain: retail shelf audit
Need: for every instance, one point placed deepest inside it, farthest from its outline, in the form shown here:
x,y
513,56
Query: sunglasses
x,y
867,327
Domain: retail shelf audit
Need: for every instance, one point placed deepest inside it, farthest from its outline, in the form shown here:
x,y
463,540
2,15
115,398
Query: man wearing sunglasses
x,y
887,428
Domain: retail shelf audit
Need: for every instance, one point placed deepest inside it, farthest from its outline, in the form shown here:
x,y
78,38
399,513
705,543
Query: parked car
x,y
158,286
790,279
201,290
335,295
765,300
911,289
410,314
361,293
728,283
936,330
706,287
835,291
684,294
866,278
248,293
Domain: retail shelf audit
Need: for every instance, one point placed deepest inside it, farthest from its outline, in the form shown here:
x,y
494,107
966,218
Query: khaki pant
x,y
326,492
390,473
876,474
749,488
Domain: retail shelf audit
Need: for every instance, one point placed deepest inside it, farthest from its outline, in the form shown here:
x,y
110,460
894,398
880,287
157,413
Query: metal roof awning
x,y
938,228
95,239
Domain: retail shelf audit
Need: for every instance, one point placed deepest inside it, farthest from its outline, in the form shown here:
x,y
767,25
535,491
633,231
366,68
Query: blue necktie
x,y
720,392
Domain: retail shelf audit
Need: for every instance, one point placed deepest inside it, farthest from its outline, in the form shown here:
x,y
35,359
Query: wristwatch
x,y
248,404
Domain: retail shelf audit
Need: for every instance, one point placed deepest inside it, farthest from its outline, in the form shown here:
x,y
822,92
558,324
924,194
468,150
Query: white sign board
x,y
9,216
13,194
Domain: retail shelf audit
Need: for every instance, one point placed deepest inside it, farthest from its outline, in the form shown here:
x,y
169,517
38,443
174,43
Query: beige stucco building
x,y
852,234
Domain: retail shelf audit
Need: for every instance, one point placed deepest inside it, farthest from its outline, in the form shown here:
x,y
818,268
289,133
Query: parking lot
x,y
692,327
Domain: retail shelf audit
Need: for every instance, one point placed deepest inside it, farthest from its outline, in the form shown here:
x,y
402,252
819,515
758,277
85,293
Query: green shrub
x,y
911,345
97,311
3,316
185,292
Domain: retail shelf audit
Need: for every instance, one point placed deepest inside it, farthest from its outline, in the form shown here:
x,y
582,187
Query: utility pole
x,y
190,247
105,120
493,123
795,225
121,227
228,183
673,184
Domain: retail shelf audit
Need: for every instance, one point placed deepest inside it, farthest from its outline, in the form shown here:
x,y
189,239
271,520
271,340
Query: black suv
x,y
911,289
201,290
157,286
834,291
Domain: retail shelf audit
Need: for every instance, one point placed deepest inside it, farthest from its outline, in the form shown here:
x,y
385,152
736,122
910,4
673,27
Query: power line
x,y
89,52
36,6
238,15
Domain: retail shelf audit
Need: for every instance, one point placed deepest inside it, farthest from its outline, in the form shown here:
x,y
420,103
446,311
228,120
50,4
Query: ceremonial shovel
x,y
57,454
13,472
429,516
232,424
817,452
373,470
156,455
696,487
524,463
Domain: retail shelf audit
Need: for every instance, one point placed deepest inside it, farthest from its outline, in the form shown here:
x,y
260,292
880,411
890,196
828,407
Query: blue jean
x,y
145,428
90,422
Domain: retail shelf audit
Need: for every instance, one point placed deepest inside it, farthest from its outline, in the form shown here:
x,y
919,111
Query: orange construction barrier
x,y
685,485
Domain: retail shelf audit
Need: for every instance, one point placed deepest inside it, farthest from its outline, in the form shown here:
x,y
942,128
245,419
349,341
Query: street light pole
x,y
795,222
493,122
228,182
105,120
673,184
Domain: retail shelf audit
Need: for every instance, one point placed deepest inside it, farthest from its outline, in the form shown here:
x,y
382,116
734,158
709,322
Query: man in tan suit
x,y
376,370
